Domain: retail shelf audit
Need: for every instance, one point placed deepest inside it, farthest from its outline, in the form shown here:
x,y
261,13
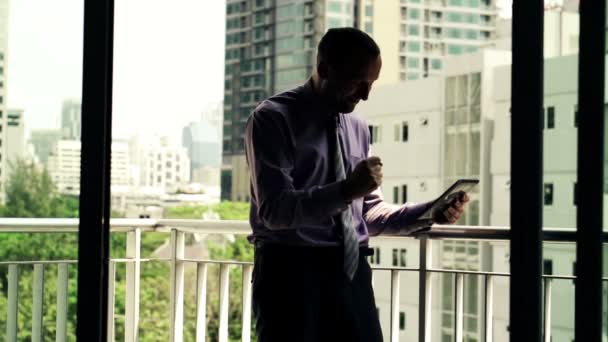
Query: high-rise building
x,y
415,36
270,47
44,142
202,140
4,14
15,135
71,119
64,165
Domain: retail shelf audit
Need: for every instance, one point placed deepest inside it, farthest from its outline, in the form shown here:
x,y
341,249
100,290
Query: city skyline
x,y
143,68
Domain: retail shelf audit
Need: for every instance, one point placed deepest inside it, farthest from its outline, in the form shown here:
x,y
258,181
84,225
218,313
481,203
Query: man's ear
x,y
323,70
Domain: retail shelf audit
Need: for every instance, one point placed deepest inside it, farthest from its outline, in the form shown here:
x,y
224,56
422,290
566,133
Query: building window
x,y
574,193
403,193
413,30
395,194
548,193
400,257
576,115
547,267
375,133
550,117
375,258
404,132
402,320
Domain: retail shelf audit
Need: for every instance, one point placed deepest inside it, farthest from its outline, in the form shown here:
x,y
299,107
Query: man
x,y
316,200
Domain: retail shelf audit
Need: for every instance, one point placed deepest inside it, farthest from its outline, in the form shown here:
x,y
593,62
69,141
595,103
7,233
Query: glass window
x,y
413,46
550,117
402,320
334,22
454,49
369,27
403,193
395,257
412,76
404,132
472,34
369,10
435,64
396,195
548,193
413,30
335,6
413,63
403,257
414,13
548,267
454,17
454,33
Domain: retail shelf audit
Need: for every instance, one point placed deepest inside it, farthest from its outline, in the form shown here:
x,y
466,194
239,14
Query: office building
x,y
4,15
64,166
270,47
202,140
44,142
163,164
15,135
71,124
416,36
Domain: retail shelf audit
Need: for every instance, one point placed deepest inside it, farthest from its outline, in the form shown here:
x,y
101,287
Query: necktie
x,y
349,235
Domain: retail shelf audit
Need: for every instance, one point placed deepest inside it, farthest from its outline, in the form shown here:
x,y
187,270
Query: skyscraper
x,y
415,36
270,47
71,119
202,140
3,117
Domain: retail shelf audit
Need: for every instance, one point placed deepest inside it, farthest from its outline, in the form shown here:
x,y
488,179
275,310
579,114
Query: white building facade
x,y
164,165
64,166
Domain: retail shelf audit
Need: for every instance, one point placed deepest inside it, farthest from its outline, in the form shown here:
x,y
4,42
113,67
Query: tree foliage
x,y
30,193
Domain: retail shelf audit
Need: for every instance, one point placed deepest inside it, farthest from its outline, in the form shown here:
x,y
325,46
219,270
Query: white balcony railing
x,y
177,229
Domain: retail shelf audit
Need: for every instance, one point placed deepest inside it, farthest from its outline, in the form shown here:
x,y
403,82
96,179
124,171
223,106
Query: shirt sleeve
x,y
390,219
270,155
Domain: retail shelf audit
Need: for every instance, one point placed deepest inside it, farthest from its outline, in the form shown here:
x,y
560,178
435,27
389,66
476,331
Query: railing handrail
x,y
60,225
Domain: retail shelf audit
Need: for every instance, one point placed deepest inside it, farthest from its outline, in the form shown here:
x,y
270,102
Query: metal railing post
x,y
38,303
246,324
177,286
13,300
201,302
111,299
224,301
132,285
424,290
395,288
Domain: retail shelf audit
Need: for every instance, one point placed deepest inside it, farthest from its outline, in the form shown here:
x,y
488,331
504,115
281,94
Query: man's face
x,y
350,84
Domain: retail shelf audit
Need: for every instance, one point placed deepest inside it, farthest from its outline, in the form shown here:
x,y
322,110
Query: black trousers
x,y
301,294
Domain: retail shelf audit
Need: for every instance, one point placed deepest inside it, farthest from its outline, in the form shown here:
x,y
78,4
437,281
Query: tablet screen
x,y
460,186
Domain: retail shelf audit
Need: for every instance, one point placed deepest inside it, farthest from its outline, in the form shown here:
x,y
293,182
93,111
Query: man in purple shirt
x,y
305,202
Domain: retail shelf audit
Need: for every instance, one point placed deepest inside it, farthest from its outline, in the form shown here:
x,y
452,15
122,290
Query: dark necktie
x,y
349,235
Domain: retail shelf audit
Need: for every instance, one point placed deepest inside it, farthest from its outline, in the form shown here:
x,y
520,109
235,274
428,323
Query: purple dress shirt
x,y
294,194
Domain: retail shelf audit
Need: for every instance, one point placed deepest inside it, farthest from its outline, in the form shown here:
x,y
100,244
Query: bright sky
x,y
168,61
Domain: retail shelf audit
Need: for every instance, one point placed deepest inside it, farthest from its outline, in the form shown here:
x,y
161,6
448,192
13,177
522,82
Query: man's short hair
x,y
339,45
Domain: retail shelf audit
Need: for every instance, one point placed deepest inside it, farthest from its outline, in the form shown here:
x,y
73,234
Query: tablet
x,y
451,194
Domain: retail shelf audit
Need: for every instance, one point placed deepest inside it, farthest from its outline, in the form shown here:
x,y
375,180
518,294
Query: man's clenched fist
x,y
365,178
